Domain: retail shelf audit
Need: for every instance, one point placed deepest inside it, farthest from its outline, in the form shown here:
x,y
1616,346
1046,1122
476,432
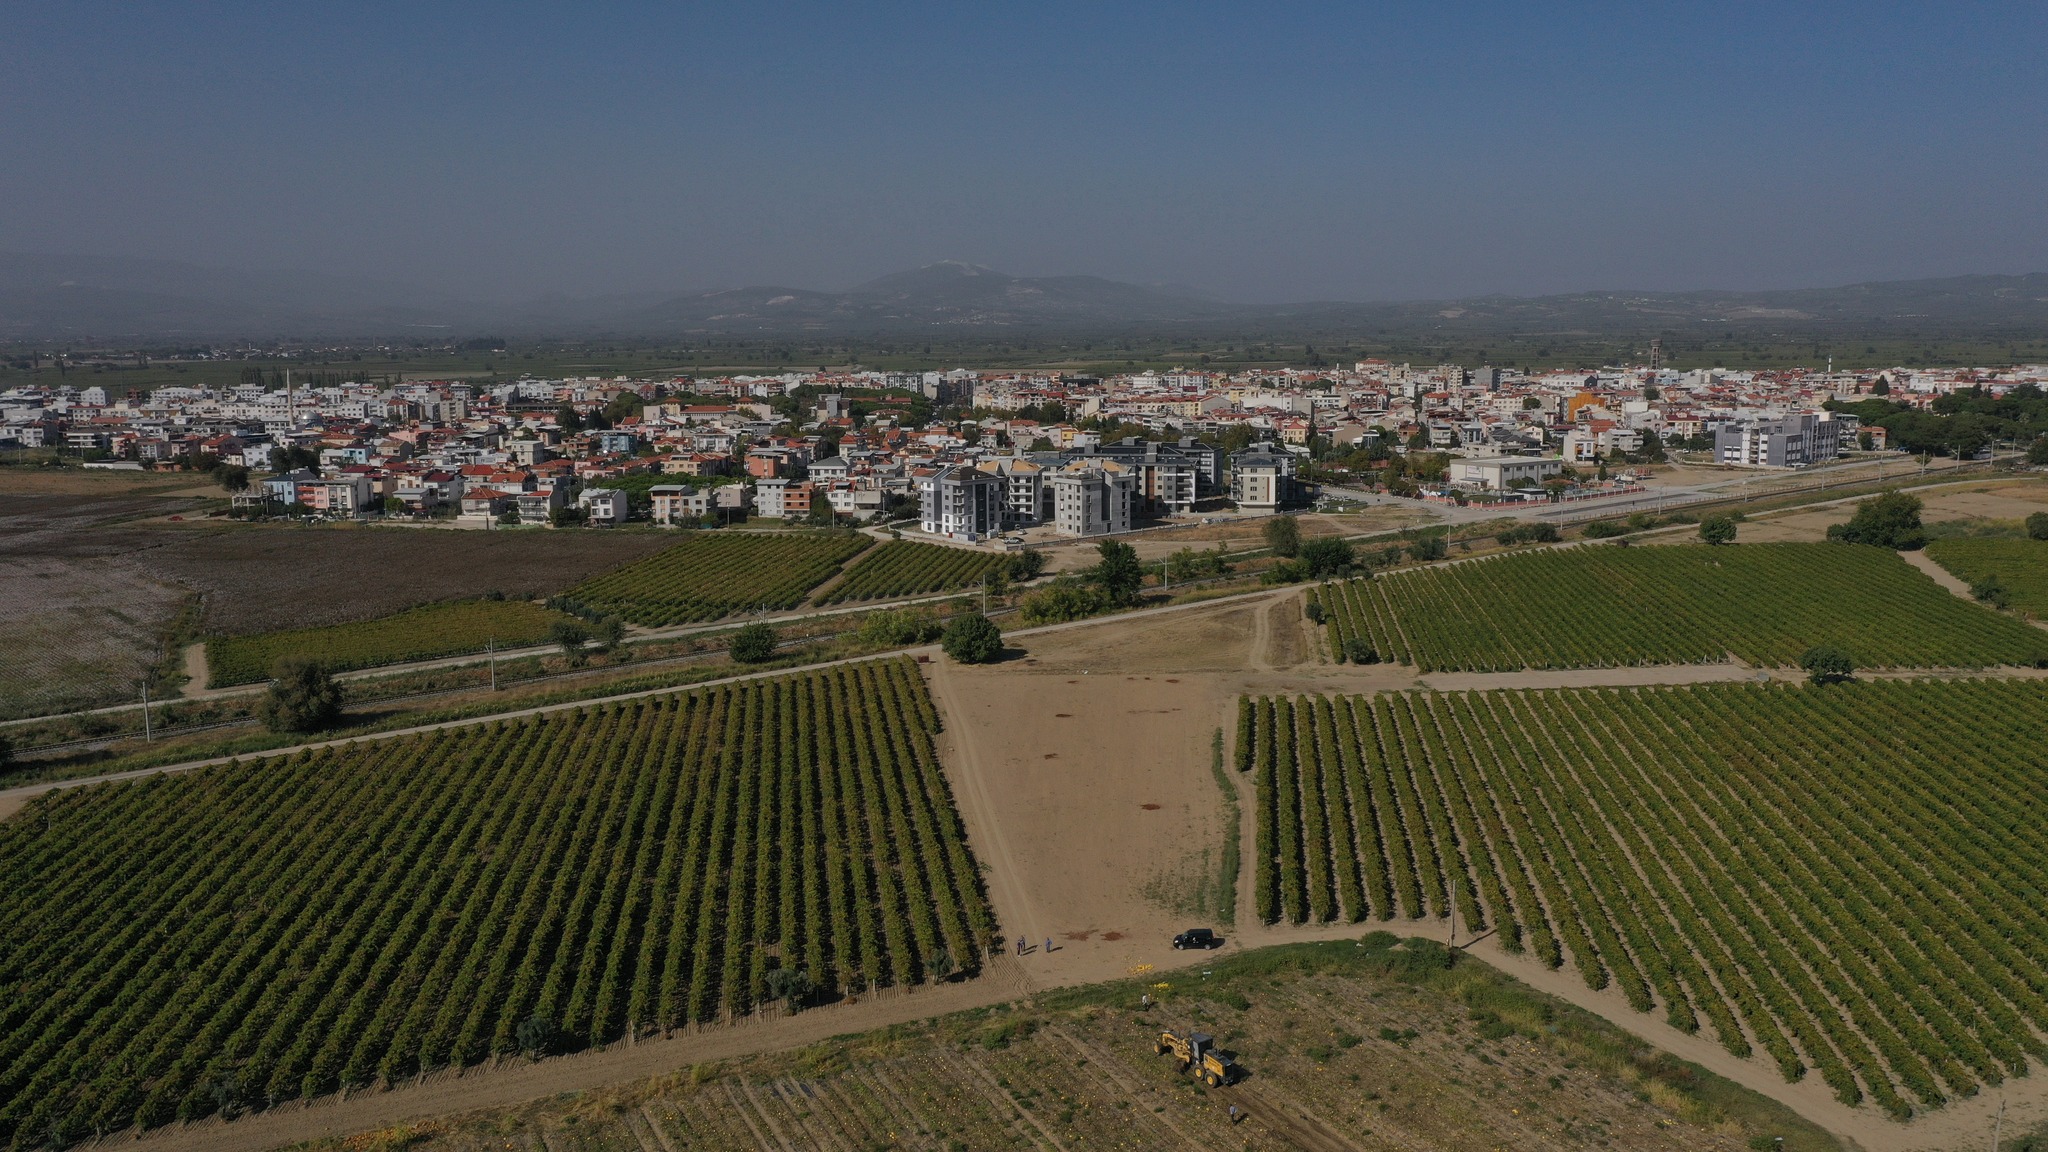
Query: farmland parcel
x,y
1828,875
284,928
716,574
1604,606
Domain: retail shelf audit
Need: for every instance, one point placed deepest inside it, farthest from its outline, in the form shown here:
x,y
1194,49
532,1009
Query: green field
x,y
1847,879
908,568
283,928
2020,565
1605,606
455,628
714,574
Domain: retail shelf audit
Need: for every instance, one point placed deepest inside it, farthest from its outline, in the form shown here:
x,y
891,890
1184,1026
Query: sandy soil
x,y
76,633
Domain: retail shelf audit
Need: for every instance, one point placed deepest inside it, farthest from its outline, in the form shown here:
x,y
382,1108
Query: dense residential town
x,y
971,455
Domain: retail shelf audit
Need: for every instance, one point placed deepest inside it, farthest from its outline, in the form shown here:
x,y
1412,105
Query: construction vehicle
x,y
1197,1050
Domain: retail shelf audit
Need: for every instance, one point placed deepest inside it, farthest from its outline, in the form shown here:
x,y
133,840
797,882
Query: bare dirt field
x,y
77,633
1992,500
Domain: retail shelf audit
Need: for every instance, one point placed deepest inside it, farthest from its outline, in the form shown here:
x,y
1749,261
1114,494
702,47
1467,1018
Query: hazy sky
x,y
1261,152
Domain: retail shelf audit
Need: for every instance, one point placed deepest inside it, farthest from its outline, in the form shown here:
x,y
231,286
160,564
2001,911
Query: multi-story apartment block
x,y
1262,479
962,502
1786,442
1092,498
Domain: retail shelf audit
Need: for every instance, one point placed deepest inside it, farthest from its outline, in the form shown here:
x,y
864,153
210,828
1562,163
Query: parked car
x,y
1198,938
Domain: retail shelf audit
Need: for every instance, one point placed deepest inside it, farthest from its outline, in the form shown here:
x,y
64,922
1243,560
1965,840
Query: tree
x,y
232,478
941,965
571,635
393,506
1826,664
1888,520
566,417
973,639
821,513
1119,574
1327,556
1283,535
1718,530
610,633
535,1036
1428,548
2037,452
753,644
1359,650
2037,526
303,697
791,986
1026,564
901,626
1991,590
1064,599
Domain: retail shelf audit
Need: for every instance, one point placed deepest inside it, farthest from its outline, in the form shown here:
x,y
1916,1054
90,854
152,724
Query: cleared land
x,y
258,932
76,633
906,568
450,629
714,574
1348,1048
1827,877
1603,606
2020,565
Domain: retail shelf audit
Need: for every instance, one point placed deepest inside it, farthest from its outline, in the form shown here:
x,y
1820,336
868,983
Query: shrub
x,y
1605,530
1064,599
973,639
570,635
1529,534
792,986
1992,591
1313,611
303,697
1718,530
1826,664
1027,564
901,626
535,1036
1888,520
1359,650
1428,548
753,644
2037,524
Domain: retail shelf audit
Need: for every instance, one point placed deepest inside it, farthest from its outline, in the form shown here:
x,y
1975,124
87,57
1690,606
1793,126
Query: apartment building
x,y
1262,479
1092,498
962,502
1785,442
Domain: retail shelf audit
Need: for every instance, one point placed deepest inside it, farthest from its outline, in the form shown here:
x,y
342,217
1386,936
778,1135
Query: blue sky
x,y
1259,152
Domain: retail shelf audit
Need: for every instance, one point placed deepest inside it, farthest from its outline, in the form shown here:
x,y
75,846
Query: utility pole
x,y
146,734
1998,1125
491,646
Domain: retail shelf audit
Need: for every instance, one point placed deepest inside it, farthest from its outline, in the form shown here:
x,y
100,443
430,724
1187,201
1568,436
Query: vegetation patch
x,y
430,631
1595,607
1820,873
907,568
215,940
714,574
2019,567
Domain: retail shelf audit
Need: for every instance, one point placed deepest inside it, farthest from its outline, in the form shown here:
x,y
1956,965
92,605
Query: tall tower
x,y
1656,353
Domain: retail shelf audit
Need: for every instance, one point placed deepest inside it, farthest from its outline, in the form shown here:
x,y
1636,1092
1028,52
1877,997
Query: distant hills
x,y
101,299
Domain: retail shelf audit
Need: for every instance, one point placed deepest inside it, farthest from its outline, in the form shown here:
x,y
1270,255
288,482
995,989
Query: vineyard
x,y
257,932
906,568
424,633
2020,565
715,574
1605,606
1846,880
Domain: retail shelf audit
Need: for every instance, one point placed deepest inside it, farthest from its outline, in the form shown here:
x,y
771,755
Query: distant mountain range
x,y
102,299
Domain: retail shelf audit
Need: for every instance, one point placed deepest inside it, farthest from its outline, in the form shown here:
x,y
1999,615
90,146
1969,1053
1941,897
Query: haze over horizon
x,y
1303,153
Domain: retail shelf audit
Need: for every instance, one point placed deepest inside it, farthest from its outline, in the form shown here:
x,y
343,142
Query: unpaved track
x,y
448,1093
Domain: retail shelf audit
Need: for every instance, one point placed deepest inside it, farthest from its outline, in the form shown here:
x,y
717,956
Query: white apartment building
x,y
962,502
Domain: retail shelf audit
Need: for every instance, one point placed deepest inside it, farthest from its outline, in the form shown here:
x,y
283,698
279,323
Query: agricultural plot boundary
x,y
716,574
1607,606
1844,881
372,911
